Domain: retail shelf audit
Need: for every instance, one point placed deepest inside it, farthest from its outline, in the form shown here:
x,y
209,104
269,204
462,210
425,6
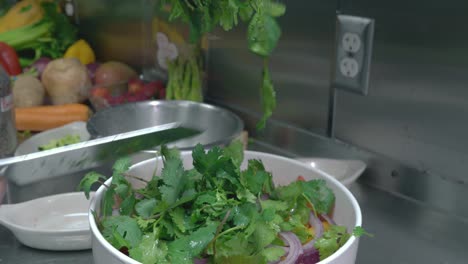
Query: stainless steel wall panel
x,y
418,102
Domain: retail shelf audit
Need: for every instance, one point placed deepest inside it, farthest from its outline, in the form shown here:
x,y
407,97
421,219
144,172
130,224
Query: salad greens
x,y
64,141
215,211
263,34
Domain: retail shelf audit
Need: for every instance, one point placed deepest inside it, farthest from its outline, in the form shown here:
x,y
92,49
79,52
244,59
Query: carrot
x,y
40,118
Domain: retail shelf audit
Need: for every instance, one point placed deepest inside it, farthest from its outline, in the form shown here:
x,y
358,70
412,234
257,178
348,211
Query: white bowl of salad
x,y
221,206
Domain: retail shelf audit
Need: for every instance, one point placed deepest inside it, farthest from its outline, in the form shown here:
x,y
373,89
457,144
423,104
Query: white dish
x,y
284,170
345,171
32,144
58,222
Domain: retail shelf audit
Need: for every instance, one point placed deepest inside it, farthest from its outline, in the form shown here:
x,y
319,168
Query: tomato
x,y
9,60
100,92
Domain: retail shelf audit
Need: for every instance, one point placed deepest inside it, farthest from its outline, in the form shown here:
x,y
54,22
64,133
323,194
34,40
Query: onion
x,y
318,228
328,219
309,257
295,247
200,261
39,66
92,67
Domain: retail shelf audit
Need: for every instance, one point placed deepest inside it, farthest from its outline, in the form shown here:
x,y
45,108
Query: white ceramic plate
x,y
32,144
58,222
345,171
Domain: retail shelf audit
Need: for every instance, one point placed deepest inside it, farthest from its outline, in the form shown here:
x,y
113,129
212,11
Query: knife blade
x,y
37,166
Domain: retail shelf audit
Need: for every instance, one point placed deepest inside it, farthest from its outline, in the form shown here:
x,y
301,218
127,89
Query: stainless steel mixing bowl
x,y
219,125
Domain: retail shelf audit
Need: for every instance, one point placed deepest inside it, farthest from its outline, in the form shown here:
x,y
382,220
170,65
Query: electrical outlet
x,y
351,42
349,67
354,37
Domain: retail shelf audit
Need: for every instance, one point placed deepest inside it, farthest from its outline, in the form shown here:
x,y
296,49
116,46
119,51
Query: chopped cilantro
x,y
215,211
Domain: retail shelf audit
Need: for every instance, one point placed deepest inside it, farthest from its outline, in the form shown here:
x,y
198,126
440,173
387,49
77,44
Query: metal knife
x,y
37,166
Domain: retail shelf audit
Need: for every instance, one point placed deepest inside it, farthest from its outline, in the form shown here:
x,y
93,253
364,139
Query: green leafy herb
x,y
202,17
89,180
216,210
331,241
358,231
150,251
145,207
268,97
174,179
49,37
125,226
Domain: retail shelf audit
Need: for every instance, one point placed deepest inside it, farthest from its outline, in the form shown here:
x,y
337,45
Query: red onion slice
x,y
318,228
200,261
295,247
309,257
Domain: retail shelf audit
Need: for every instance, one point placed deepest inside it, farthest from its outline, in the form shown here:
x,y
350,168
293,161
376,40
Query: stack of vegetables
x,y
53,71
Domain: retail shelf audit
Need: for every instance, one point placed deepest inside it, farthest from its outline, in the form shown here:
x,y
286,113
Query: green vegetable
x,y
202,17
212,211
64,141
49,37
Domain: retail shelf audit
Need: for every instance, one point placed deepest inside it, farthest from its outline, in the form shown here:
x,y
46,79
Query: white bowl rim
x,y
341,250
77,126
38,231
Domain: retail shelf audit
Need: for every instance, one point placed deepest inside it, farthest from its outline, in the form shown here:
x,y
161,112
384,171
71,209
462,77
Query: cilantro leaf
x,y
359,231
275,9
174,179
263,235
150,251
108,202
170,153
144,224
127,205
256,179
263,34
244,214
121,166
235,151
190,246
316,191
268,96
144,208
89,180
331,241
204,162
246,11
228,13
152,188
272,254
319,194
178,218
125,226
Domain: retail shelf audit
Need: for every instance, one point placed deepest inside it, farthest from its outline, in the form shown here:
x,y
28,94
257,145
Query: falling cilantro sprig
x,y
202,16
215,211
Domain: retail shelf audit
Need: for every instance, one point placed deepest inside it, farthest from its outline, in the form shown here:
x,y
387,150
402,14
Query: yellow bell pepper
x,y
23,13
81,51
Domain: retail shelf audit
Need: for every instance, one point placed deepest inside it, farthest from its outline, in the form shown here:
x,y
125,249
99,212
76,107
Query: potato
x,y
66,81
27,91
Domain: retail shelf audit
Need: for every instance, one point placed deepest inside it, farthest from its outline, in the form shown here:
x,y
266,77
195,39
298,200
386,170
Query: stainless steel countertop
x,y
404,232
